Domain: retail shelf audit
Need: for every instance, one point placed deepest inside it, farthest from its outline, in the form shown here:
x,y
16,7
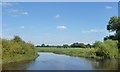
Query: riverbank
x,y
79,52
100,50
19,58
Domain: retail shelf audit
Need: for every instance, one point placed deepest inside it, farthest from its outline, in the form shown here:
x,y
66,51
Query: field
x,y
80,52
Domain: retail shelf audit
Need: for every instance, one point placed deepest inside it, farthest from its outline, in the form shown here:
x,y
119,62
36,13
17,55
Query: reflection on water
x,y
105,64
16,66
51,61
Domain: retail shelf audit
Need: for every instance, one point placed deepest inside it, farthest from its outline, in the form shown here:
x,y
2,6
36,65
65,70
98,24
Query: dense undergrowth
x,y
16,49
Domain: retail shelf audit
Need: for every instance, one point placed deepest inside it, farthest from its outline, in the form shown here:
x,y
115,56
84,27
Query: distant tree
x,y
47,46
65,45
74,45
88,46
80,45
43,45
58,46
38,46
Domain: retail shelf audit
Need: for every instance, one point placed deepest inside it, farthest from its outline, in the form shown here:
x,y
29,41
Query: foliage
x,y
17,47
109,37
107,49
97,44
80,45
114,26
65,46
43,45
81,52
88,46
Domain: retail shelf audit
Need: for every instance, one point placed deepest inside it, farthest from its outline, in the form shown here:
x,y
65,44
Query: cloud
x,y
24,13
22,27
108,7
18,12
57,16
93,31
5,4
61,27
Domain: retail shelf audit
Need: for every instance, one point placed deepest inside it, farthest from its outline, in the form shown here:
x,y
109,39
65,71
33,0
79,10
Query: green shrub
x,y
107,49
17,49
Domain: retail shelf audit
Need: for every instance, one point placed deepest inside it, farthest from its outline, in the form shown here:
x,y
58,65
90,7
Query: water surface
x,y
51,61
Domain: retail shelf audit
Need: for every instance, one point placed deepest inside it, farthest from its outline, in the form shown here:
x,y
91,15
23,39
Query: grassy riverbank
x,y
80,52
16,49
106,49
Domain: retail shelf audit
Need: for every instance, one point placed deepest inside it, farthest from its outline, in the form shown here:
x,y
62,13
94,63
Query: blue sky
x,y
57,23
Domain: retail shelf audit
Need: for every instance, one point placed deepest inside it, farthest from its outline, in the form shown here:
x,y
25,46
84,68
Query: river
x,y
51,61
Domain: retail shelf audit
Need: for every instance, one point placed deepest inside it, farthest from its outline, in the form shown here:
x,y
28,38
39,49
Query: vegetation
x,y
81,52
74,45
106,49
114,26
0,50
81,45
17,50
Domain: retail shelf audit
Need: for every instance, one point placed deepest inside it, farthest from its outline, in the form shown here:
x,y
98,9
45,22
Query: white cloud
x,y
93,31
61,27
16,12
24,13
108,7
57,16
13,11
22,27
5,4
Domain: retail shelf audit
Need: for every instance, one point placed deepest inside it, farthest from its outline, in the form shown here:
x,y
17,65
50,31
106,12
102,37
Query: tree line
x,y
74,45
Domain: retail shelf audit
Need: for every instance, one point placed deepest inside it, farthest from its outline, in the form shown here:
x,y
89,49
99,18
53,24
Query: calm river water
x,y
51,61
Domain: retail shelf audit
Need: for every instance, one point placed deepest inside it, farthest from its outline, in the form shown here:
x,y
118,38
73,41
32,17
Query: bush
x,y
107,49
15,48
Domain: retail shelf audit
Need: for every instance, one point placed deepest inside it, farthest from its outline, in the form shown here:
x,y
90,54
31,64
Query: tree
x,y
65,46
58,46
114,26
43,45
17,39
109,37
80,45
88,46
38,46
97,44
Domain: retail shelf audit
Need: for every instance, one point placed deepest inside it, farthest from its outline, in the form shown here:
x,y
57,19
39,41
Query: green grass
x,y
80,52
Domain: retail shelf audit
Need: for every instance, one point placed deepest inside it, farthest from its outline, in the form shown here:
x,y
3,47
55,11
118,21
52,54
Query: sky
x,y
59,0
57,23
